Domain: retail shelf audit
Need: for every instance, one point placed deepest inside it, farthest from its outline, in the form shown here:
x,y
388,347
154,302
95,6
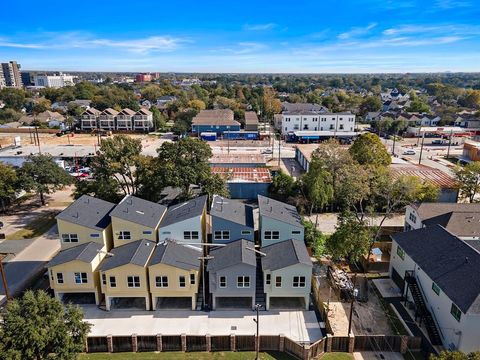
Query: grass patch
x,y
337,356
189,356
35,228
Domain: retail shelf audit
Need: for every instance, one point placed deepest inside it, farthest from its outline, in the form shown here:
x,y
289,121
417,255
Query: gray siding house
x,y
232,273
231,220
287,272
278,222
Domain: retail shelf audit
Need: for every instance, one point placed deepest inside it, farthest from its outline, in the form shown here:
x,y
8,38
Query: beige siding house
x,y
124,277
134,219
73,273
174,276
86,220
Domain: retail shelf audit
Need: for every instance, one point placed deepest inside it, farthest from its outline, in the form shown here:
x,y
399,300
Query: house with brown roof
x,y
445,182
88,120
218,121
106,119
125,119
251,121
143,120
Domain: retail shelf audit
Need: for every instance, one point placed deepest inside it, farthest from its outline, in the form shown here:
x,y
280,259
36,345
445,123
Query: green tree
x,y
42,105
8,184
370,104
13,98
468,180
152,92
418,105
9,115
283,186
197,105
369,150
114,169
271,105
318,186
159,121
41,174
314,237
456,355
351,238
470,99
37,326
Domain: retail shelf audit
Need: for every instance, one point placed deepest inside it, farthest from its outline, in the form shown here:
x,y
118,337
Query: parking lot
x,y
300,326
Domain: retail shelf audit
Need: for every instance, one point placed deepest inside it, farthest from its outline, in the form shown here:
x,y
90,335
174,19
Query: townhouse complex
x,y
140,254
110,119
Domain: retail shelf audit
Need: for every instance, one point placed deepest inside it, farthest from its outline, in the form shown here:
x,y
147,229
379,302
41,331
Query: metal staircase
x,y
421,309
260,297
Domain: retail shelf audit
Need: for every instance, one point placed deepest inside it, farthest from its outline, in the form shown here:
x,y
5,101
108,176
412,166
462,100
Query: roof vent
x,y
466,259
140,212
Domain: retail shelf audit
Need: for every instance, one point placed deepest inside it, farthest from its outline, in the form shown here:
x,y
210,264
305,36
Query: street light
x,y
257,347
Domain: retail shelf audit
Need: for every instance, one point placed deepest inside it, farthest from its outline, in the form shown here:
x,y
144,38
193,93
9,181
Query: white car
x,y
267,151
409,152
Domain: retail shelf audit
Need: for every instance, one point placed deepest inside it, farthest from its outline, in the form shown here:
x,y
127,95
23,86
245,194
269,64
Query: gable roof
x,y
279,211
233,254
109,111
127,111
215,117
429,210
83,252
92,111
425,173
135,253
284,254
232,210
88,211
184,211
251,117
139,211
144,111
176,255
448,261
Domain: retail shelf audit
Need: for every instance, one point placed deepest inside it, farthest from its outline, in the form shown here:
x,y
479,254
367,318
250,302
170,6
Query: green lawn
x,y
35,228
337,356
189,356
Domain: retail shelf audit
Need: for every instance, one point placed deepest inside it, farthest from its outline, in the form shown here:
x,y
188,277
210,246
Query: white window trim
x,y
299,281
80,277
133,282
243,278
220,282
162,284
281,282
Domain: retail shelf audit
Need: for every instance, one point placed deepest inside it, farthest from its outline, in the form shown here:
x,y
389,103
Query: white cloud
x,y
450,4
86,41
259,27
357,31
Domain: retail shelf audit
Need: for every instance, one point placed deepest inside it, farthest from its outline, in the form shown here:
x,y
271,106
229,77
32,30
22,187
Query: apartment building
x,y
11,74
53,81
307,120
107,118
88,119
125,119
143,120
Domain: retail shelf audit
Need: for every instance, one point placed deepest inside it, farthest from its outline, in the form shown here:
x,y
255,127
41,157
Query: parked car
x,y
409,152
438,142
267,151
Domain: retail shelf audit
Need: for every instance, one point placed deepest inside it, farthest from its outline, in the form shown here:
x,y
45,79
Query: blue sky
x,y
243,36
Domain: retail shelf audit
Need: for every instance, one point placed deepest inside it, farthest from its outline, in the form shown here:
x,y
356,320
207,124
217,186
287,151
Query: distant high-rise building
x,y
26,78
53,81
143,78
11,74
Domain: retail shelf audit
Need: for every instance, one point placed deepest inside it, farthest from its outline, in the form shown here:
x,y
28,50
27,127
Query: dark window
x,y
278,281
60,278
268,279
222,282
181,281
80,278
298,281
133,281
192,279
161,281
113,281
456,312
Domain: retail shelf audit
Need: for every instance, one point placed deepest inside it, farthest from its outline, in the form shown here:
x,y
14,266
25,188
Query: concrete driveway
x,y
300,326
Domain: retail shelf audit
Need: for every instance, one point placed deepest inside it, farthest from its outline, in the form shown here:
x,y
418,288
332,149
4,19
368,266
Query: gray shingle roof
x,y
448,261
136,253
83,252
89,212
184,211
284,254
176,255
233,254
279,211
139,211
232,210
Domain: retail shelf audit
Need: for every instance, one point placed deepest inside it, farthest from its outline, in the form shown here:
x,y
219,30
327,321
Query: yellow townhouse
x,y
174,276
124,277
86,220
134,219
73,273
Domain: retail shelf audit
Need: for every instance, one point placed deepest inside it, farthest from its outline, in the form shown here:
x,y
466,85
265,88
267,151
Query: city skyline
x,y
301,37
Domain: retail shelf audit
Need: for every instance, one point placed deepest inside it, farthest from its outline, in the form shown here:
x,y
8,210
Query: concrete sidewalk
x,y
301,326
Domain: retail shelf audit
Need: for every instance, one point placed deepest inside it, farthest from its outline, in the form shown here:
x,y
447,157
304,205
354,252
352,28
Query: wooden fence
x,y
207,343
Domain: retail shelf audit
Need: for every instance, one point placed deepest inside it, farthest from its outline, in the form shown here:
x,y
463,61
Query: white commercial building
x,y
53,81
308,120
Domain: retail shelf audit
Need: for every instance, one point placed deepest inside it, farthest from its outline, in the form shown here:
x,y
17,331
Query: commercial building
x,y
251,121
11,75
471,151
245,182
53,81
438,273
217,121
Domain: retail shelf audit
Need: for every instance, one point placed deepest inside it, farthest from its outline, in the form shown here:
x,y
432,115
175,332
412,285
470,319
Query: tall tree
x,y
271,105
283,186
318,186
8,185
43,175
351,238
468,179
369,150
37,326
370,104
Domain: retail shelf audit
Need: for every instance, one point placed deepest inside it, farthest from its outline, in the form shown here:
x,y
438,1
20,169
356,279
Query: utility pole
x,y
449,143
228,139
279,148
394,138
4,278
421,149
257,347
351,304
38,139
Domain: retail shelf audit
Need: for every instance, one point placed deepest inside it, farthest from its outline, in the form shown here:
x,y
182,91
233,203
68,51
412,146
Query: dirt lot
x,y
368,317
